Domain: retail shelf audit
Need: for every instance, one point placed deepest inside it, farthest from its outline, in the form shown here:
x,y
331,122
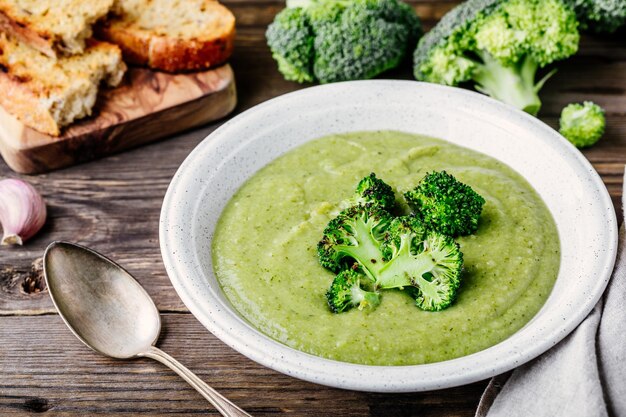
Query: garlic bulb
x,y
22,211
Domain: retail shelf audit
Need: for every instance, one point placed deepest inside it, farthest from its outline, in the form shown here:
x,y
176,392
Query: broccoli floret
x,y
345,292
290,38
354,235
500,45
446,205
338,40
372,190
600,15
367,38
582,124
393,253
427,262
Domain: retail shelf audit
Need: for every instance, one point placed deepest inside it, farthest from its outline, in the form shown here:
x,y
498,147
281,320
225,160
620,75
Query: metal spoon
x,y
111,313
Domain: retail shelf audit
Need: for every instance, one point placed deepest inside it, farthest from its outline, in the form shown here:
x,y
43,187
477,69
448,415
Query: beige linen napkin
x,y
582,376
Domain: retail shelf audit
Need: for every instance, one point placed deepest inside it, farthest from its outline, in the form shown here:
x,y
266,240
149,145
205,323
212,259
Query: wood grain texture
x,y
113,206
148,106
65,378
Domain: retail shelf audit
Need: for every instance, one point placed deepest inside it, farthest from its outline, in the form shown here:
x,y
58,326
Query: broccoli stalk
x,y
582,124
512,84
345,292
499,45
446,205
429,261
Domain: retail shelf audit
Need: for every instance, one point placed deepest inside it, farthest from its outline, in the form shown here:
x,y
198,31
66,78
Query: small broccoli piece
x,y
499,45
427,262
345,292
372,190
600,15
290,38
582,124
353,236
367,246
391,253
445,204
338,40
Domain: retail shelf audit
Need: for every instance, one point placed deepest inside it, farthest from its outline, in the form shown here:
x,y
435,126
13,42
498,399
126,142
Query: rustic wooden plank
x,y
113,206
46,369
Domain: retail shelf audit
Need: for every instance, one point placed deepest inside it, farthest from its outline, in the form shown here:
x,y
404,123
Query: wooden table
x,y
112,205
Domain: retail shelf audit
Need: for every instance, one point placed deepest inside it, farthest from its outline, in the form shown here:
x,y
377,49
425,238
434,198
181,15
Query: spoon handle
x,y
223,405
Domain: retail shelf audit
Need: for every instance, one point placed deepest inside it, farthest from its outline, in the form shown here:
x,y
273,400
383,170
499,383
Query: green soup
x,y
265,258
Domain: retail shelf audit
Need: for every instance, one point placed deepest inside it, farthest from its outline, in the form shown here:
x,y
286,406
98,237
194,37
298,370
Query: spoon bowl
x,y
107,309
103,305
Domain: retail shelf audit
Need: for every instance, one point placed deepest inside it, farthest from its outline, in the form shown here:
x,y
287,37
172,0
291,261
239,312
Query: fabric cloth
x,y
582,376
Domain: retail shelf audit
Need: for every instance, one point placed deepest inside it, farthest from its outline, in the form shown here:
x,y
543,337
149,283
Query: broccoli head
x,y
353,236
600,15
366,38
499,45
339,40
290,37
427,262
582,124
372,190
446,205
345,292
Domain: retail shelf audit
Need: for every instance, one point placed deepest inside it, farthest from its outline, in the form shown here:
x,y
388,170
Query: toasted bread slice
x,y
52,26
171,35
46,93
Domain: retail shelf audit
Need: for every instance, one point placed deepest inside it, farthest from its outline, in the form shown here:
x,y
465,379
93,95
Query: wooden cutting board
x,y
148,106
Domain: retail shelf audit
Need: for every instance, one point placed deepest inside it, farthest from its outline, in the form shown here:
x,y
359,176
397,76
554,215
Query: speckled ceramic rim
x,y
569,185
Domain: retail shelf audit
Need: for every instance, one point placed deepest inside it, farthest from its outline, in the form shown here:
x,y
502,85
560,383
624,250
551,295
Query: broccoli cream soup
x,y
265,254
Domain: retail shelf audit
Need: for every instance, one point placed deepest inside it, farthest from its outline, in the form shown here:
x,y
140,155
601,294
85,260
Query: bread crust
x,y
26,105
177,54
45,93
170,53
134,44
43,32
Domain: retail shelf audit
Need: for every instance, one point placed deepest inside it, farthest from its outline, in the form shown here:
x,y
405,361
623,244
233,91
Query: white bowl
x,y
571,188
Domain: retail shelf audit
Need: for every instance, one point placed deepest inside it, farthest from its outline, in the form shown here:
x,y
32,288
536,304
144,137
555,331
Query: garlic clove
x,y
22,211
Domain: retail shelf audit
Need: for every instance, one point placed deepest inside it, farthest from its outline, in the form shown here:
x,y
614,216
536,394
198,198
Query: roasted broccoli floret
x,y
446,205
429,262
338,40
499,45
291,39
355,235
372,190
398,253
582,124
600,15
372,251
346,292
